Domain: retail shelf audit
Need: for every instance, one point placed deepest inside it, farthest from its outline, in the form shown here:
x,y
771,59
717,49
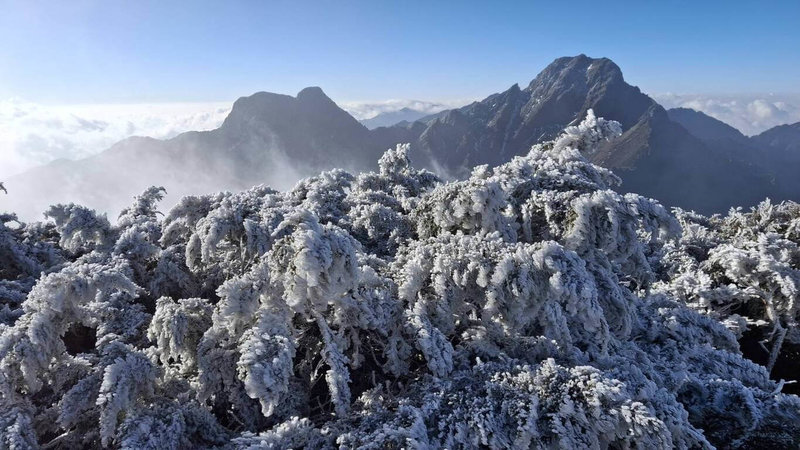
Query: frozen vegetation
x,y
527,306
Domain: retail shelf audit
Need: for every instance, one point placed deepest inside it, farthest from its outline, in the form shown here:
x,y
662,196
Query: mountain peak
x,y
569,69
258,100
312,92
580,59
270,108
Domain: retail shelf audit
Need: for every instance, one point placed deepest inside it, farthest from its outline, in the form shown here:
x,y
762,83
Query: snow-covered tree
x,y
527,306
743,269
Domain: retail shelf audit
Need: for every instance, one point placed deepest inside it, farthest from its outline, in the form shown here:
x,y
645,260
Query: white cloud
x,y
33,134
750,114
368,110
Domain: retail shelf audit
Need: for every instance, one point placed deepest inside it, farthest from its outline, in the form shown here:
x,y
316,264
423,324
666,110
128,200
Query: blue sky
x,y
59,52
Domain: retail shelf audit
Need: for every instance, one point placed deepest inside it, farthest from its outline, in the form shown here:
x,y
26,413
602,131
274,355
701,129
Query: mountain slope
x,y
705,127
655,156
784,139
678,169
267,138
509,123
780,152
775,152
276,139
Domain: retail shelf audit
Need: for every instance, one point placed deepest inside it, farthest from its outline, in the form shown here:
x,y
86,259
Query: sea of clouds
x,y
33,134
369,110
750,114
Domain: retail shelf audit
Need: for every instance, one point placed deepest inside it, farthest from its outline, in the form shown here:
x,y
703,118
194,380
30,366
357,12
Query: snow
x,y
529,305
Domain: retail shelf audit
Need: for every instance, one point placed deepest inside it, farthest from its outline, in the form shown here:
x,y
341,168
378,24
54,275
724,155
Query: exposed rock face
x,y
655,156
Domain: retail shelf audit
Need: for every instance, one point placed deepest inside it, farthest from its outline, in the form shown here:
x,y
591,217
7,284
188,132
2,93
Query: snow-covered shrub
x,y
743,269
26,251
527,306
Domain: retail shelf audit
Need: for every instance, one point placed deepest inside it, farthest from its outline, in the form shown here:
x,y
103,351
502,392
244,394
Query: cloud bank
x,y
33,134
750,114
369,110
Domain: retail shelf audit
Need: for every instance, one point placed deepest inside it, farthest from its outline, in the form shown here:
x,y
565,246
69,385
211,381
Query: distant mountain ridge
x,y
680,157
402,116
775,151
705,127
783,138
267,138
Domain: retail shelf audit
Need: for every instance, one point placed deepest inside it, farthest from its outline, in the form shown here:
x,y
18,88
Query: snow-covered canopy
x,y
527,306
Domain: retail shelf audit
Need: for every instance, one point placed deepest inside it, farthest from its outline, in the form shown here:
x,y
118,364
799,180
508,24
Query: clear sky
x,y
58,52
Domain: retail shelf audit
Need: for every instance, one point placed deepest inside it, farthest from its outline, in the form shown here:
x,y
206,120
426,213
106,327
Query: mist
x,y
369,110
33,134
69,156
109,181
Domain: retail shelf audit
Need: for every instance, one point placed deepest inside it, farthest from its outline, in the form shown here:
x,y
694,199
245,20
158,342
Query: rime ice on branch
x,y
529,305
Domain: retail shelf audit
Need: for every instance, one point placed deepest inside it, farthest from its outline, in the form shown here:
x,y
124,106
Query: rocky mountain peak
x,y
312,92
575,71
315,97
311,110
